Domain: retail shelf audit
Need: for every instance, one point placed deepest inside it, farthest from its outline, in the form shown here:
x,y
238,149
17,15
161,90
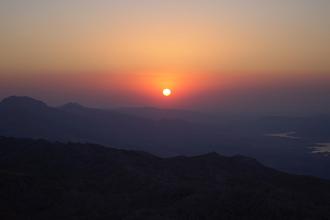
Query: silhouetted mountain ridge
x,y
169,136
51,180
25,102
78,123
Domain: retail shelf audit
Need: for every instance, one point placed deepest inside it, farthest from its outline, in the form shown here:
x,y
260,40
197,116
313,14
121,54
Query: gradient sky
x,y
212,53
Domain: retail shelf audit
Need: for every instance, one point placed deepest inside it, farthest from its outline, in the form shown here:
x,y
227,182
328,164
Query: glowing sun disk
x,y
167,92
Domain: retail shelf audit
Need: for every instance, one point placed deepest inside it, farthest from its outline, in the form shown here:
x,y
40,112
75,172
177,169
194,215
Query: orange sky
x,y
226,36
200,91
125,52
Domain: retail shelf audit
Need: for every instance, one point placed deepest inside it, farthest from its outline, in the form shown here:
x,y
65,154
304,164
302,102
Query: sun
x,y
167,92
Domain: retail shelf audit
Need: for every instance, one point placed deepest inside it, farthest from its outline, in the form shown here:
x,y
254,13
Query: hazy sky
x,y
140,46
217,34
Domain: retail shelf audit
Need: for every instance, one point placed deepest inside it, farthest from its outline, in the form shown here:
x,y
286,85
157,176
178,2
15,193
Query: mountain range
x,y
168,132
27,117
51,180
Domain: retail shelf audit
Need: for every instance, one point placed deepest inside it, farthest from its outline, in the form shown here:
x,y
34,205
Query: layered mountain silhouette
x,y
26,117
51,180
172,132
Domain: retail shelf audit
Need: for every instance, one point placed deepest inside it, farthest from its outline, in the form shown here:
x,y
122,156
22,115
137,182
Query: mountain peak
x,y
22,101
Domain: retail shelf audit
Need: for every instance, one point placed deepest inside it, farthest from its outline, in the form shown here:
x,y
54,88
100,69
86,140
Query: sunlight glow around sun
x,y
167,92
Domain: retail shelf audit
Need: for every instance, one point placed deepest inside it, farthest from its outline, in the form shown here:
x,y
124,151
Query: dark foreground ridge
x,y
50,180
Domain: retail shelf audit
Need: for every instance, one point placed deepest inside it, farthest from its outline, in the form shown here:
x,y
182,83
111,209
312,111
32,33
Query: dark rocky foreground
x,y
45,180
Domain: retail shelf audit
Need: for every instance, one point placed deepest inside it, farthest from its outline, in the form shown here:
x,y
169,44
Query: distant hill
x,y
173,132
26,117
51,180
